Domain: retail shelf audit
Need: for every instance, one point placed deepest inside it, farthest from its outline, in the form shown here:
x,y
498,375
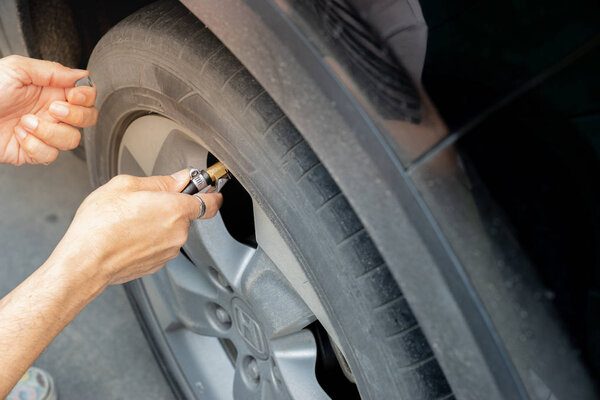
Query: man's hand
x,y
132,226
40,109
126,229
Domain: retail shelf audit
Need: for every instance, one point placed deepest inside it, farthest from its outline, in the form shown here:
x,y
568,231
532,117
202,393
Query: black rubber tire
x,y
163,60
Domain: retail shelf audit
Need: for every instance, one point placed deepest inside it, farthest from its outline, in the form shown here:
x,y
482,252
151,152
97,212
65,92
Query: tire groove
x,y
350,237
291,149
187,95
370,271
252,101
188,39
329,200
308,171
210,57
272,124
387,303
402,332
240,69
417,364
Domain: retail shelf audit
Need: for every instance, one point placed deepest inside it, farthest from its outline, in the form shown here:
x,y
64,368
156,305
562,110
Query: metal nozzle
x,y
216,175
217,171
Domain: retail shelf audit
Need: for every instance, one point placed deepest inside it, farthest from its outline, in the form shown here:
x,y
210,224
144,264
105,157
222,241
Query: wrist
x,y
80,276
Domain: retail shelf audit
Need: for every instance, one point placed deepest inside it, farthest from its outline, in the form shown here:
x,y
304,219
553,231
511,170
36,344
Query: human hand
x,y
40,109
132,226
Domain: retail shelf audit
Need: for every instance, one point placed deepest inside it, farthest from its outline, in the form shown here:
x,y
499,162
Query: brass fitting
x,y
217,171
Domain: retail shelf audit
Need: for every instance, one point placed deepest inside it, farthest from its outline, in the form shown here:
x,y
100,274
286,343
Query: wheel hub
x,y
248,328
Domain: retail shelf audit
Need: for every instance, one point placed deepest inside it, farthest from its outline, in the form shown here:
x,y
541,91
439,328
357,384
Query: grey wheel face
x,y
233,316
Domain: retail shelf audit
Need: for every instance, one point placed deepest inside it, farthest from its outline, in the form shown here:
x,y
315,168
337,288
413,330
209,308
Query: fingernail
x,y
20,132
78,98
58,109
181,176
30,122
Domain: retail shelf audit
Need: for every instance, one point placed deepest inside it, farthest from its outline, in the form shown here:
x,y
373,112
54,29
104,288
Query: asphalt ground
x,y
102,354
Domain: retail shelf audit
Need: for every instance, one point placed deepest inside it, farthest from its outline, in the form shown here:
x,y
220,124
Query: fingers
x,y
193,205
38,151
58,135
189,206
47,73
174,183
73,114
81,96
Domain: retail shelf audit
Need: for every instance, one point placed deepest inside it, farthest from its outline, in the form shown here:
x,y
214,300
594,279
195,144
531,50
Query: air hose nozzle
x,y
216,175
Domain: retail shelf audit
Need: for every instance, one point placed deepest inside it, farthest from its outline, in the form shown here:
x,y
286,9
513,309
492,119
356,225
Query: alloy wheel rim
x,y
230,317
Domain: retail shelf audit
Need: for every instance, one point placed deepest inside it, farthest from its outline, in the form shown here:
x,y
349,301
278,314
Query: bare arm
x,y
37,310
126,229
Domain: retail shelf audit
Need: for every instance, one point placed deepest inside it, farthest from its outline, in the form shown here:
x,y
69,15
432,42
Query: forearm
x,y
33,314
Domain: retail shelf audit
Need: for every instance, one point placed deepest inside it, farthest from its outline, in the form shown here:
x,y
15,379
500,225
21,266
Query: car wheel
x,y
283,294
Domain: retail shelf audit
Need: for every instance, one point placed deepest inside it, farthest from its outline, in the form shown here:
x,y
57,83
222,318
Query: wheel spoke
x,y
207,368
193,297
271,242
167,318
179,151
129,165
273,300
268,391
210,245
169,148
295,358
145,137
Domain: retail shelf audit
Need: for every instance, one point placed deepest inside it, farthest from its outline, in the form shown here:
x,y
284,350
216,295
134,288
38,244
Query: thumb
x,y
179,180
47,73
173,183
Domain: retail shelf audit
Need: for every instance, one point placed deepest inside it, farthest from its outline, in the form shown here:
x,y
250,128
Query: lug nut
x,y
222,316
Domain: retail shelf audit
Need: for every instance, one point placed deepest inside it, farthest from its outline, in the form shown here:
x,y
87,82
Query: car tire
x,y
163,61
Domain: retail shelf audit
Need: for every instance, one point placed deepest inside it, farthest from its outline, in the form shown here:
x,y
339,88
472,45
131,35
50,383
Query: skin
x,y
124,230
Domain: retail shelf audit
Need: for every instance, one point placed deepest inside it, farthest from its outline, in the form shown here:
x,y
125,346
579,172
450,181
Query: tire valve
x,y
217,175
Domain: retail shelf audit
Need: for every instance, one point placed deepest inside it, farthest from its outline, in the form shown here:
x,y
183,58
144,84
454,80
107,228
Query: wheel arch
x,y
75,27
15,28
